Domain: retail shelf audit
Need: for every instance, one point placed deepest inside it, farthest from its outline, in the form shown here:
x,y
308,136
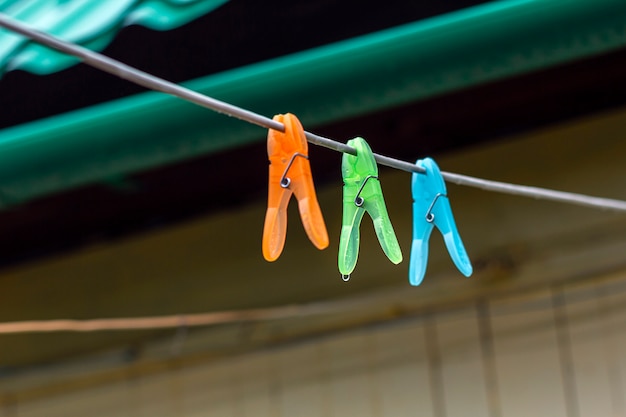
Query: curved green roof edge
x,y
92,24
337,81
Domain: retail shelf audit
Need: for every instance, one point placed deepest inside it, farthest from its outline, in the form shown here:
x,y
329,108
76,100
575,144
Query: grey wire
x,y
149,81
536,192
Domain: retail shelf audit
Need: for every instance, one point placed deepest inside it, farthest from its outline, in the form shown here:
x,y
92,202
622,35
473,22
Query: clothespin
x,y
431,207
361,193
290,173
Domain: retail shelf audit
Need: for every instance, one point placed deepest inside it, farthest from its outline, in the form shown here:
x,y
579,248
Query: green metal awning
x,y
349,78
89,23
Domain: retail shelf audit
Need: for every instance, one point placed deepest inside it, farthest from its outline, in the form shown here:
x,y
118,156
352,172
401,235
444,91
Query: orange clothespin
x,y
290,173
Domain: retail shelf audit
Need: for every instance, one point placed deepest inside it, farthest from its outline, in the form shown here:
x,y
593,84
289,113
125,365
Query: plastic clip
x,y
431,207
362,193
290,173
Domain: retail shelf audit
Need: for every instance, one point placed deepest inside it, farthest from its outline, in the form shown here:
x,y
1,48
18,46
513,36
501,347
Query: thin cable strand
x,y
152,82
164,322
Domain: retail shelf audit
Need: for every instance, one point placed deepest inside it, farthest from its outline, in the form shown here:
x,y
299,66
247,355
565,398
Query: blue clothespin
x,y
431,207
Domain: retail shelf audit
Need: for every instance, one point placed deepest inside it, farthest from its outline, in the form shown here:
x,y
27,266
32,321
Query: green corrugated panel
x,y
341,80
90,23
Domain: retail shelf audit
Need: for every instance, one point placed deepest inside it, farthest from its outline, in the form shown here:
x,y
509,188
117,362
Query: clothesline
x,y
152,82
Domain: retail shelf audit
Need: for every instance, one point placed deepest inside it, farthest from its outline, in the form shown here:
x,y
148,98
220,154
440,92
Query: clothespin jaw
x,y
290,173
431,207
362,193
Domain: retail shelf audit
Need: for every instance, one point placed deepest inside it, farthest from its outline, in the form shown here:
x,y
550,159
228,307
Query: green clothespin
x,y
361,193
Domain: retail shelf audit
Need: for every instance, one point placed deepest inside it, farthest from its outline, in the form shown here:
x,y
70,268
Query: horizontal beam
x,y
322,85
